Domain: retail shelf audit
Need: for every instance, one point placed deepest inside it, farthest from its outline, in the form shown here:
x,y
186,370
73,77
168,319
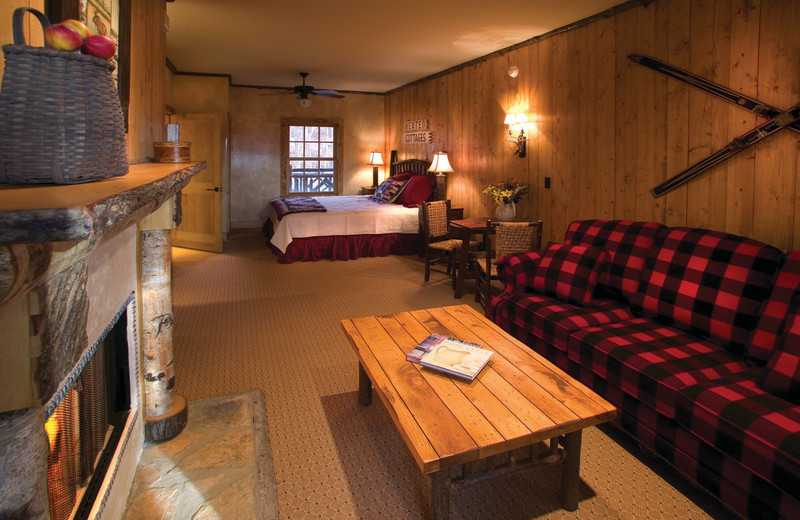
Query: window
x,y
312,155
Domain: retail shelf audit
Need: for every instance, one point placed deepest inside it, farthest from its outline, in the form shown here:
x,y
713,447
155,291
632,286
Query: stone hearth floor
x,y
219,467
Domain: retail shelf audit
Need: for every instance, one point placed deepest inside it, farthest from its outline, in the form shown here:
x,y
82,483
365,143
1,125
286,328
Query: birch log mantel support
x,y
166,412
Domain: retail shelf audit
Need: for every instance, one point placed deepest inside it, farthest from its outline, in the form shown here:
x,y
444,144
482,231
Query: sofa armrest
x,y
516,271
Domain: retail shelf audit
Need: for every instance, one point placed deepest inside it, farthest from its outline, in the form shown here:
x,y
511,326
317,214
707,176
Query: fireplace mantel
x,y
70,262
39,223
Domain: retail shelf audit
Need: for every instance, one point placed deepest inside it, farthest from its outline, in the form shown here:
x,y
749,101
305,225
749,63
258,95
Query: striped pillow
x,y
568,272
389,190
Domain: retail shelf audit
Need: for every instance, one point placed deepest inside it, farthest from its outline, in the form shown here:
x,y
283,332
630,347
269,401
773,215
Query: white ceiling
x,y
355,45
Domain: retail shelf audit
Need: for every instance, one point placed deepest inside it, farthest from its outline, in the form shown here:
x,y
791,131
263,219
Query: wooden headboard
x,y
415,166
420,167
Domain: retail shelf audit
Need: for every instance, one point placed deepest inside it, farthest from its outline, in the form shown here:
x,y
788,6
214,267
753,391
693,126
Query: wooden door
x,y
201,199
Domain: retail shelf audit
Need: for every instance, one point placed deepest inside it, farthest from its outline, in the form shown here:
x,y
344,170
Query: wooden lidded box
x,y
172,152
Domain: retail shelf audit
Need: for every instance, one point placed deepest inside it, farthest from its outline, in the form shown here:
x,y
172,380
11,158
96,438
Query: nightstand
x,y
368,190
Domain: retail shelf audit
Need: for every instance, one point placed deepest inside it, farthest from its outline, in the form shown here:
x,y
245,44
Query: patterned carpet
x,y
244,322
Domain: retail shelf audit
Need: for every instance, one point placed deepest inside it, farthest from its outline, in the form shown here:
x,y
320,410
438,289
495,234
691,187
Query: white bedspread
x,y
345,215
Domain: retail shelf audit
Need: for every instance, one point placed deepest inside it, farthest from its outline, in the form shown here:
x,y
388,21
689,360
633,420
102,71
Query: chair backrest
x,y
509,237
435,218
516,237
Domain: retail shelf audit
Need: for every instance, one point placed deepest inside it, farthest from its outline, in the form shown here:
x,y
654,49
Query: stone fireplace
x,y
70,270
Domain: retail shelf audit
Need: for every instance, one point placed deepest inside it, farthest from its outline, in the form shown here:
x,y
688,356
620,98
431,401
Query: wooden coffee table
x,y
517,401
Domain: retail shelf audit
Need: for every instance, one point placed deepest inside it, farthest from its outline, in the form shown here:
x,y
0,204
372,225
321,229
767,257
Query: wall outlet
x,y
547,183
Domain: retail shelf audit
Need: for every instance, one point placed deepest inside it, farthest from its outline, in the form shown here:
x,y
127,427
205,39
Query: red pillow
x,y
418,189
403,176
569,272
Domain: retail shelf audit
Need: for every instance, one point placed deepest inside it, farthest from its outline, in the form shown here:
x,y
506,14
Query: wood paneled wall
x,y
609,130
148,77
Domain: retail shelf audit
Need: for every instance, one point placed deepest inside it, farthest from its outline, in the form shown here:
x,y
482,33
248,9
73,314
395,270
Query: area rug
x,y
219,467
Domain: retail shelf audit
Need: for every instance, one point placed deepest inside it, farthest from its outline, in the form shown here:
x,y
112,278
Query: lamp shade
x,y
516,119
440,163
375,159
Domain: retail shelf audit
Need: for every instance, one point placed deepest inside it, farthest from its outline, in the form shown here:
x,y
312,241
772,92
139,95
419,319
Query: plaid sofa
x,y
691,333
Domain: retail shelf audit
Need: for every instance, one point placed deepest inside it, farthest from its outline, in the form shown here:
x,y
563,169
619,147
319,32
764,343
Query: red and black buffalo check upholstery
x,y
684,361
651,361
528,317
627,244
568,272
757,429
775,311
707,282
782,373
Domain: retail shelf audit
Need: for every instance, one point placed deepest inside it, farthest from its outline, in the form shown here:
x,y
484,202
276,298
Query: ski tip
x,y
656,192
636,57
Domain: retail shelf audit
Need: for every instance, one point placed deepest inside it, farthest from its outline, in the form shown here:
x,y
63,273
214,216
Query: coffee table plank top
x,y
409,391
518,399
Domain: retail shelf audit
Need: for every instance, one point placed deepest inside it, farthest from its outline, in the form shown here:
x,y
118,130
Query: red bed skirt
x,y
346,247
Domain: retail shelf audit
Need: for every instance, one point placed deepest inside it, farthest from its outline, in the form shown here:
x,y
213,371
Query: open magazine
x,y
450,355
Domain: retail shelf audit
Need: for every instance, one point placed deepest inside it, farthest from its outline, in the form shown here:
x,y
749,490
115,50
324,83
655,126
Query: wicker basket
x,y
60,116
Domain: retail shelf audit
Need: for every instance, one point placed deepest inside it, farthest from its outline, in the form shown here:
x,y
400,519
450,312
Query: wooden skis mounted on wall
x,y
778,120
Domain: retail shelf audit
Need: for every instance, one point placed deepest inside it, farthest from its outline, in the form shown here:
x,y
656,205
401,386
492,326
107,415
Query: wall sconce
x,y
440,165
375,160
514,122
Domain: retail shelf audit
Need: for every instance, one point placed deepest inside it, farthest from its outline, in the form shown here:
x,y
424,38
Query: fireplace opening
x,y
86,427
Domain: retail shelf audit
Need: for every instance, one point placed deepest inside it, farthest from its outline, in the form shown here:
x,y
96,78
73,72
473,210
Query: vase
x,y
506,212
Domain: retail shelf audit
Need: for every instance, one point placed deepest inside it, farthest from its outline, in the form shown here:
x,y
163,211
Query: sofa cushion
x,y
707,282
627,244
651,361
776,309
528,316
745,422
568,272
781,376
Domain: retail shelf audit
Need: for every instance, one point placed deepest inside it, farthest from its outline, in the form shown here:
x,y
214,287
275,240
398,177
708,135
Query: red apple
x,y
100,46
62,37
79,27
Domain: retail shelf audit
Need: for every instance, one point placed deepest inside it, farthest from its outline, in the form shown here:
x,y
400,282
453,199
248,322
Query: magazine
x,y
456,358
432,341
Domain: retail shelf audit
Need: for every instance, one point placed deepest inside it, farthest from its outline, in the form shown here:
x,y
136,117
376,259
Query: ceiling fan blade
x,y
327,93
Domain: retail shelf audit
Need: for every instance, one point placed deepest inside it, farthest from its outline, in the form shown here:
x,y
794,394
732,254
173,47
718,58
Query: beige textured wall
x,y
255,143
197,94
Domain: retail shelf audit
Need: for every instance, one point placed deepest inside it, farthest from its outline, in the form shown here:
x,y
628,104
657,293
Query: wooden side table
x,y
368,190
464,229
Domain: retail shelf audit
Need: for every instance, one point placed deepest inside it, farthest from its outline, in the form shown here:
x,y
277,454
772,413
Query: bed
x,y
346,227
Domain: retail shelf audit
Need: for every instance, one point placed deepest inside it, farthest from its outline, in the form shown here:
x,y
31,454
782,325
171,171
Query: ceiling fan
x,y
304,90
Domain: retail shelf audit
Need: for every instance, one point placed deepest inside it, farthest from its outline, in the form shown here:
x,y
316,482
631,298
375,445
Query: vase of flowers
x,y
506,195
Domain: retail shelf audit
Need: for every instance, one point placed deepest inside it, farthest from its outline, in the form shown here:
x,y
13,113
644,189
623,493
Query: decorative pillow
x,y
388,191
417,191
782,373
569,272
709,283
403,176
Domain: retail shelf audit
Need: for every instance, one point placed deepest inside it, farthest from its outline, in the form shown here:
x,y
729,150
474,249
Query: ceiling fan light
x,y
304,102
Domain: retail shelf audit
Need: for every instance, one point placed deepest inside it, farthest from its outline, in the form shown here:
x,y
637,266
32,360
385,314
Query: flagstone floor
x,y
213,469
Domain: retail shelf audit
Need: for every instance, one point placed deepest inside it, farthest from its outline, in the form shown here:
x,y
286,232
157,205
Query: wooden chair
x,y
436,232
509,237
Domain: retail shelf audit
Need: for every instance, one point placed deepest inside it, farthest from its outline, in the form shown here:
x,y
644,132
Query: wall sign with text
x,y
417,132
